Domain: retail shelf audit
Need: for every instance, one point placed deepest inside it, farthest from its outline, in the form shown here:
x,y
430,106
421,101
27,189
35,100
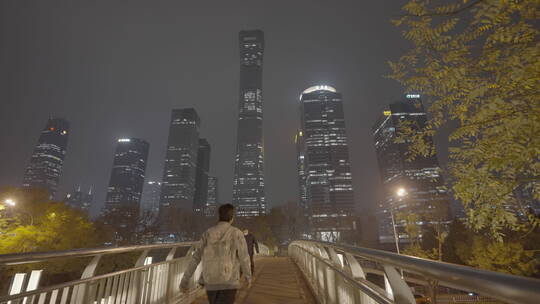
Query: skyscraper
x,y
201,179
301,168
150,198
47,159
122,202
248,184
324,167
178,185
212,200
412,187
80,200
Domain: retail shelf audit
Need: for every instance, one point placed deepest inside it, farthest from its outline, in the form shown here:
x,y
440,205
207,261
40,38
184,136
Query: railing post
x,y
401,291
80,292
170,271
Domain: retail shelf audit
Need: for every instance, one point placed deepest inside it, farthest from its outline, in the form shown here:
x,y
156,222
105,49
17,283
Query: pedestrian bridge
x,y
313,272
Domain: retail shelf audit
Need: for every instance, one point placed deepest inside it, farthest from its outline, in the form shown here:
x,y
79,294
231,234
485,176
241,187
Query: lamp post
x,y
401,192
12,203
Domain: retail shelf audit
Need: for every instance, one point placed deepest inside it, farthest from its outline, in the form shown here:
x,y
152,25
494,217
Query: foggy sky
x,y
117,68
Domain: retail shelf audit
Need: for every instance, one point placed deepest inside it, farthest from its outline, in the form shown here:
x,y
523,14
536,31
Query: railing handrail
x,y
501,286
82,281
34,257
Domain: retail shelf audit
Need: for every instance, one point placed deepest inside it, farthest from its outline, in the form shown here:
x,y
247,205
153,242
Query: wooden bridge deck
x,y
277,280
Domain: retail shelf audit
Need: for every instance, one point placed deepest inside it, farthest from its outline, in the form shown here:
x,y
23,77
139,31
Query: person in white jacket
x,y
223,253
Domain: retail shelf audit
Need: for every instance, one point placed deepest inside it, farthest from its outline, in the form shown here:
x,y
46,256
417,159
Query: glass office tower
x,y
248,184
47,159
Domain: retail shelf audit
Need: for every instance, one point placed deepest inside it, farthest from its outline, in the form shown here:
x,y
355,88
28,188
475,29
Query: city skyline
x,y
293,60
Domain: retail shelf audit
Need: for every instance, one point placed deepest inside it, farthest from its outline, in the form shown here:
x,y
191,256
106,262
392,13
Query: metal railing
x,y
145,282
337,274
263,250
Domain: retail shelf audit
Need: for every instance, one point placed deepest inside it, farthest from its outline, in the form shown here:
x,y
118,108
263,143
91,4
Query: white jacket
x,y
241,261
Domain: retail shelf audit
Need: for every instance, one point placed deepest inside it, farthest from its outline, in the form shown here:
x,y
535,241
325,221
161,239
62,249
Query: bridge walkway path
x,y
277,281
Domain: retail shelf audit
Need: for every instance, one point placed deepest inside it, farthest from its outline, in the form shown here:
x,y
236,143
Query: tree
x,y
477,63
35,223
38,224
509,257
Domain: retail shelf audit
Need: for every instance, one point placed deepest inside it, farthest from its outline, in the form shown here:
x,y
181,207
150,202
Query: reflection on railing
x,y
144,282
346,274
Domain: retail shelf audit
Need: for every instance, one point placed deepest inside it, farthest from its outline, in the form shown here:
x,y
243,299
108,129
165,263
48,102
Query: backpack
x,y
218,259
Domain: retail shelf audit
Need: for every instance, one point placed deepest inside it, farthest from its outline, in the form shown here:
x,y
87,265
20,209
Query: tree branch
x,y
458,11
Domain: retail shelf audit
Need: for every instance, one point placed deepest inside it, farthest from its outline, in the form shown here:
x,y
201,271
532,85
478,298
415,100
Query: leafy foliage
x,y
509,257
37,224
477,62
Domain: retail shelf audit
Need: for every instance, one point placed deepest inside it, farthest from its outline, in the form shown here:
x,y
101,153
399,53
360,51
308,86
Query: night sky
x,y
117,68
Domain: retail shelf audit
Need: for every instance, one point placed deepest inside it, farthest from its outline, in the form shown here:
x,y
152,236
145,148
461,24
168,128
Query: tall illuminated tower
x,y
179,173
124,193
201,177
47,159
248,184
323,163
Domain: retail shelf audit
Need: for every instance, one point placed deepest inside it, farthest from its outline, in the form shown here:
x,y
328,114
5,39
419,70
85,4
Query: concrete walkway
x,y
277,280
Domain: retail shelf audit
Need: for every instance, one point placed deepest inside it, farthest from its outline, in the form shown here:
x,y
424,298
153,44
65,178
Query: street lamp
x,y
401,192
10,202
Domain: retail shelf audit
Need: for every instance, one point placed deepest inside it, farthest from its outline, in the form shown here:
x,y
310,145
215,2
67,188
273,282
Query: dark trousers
x,y
252,264
225,296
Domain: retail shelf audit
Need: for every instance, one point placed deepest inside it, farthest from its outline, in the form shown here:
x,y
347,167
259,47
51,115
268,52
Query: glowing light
x,y
52,129
387,113
10,202
319,88
64,132
124,140
401,192
410,96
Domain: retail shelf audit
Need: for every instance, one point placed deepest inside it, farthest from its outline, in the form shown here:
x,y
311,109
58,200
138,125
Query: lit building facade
x,y
150,198
409,186
323,163
301,168
79,199
179,174
248,183
201,178
47,159
122,202
212,200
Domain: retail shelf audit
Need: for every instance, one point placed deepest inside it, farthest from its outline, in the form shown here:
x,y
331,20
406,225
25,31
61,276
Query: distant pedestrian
x,y
223,252
251,244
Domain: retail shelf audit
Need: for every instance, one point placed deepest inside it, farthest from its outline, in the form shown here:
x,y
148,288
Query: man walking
x,y
223,252
251,242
